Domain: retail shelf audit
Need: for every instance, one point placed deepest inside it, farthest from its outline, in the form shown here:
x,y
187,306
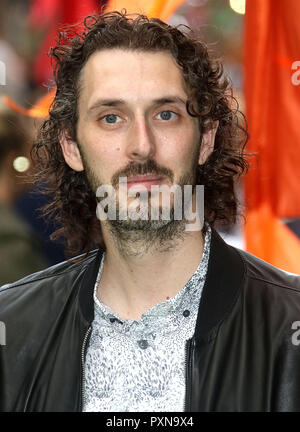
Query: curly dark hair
x,y
73,203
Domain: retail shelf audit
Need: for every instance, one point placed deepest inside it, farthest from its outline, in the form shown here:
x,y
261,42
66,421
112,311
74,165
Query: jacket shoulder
x,y
260,270
46,276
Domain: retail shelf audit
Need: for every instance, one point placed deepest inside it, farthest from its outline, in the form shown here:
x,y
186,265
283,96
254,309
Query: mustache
x,y
149,167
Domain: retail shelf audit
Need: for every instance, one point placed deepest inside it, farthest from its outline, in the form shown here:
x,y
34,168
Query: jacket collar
x,y
224,280
86,291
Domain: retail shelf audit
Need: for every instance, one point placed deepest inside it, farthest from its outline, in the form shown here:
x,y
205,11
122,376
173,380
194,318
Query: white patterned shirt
x,y
140,365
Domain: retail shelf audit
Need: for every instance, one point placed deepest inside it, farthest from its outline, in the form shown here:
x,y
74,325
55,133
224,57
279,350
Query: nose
x,y
141,141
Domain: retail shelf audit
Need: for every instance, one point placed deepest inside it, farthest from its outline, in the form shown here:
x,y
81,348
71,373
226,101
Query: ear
x,y
207,143
71,153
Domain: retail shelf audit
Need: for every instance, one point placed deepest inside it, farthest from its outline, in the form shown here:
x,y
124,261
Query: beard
x,y
136,237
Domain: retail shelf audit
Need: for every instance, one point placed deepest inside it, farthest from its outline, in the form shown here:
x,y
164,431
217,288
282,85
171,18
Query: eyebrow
x,y
119,102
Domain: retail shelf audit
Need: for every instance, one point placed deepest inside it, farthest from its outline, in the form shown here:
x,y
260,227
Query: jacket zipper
x,y
187,402
82,367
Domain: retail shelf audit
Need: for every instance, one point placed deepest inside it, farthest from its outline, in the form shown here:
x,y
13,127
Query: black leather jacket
x,y
243,356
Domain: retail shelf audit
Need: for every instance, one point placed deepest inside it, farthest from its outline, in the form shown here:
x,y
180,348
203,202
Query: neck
x,y
141,272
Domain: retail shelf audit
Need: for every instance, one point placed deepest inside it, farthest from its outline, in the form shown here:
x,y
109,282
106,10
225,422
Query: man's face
x,y
133,121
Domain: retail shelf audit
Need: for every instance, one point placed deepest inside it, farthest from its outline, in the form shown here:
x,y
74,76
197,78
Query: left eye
x,y
111,118
166,115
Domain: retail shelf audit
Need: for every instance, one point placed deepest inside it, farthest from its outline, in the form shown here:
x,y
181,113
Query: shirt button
x,y
143,344
186,313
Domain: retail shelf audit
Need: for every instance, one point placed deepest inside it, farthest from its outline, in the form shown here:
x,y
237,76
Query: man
x,y
162,316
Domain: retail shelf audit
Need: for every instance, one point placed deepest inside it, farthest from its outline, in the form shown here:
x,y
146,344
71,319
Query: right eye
x,y
111,118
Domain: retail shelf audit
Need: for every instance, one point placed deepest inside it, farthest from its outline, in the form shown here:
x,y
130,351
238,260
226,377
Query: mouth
x,y
146,180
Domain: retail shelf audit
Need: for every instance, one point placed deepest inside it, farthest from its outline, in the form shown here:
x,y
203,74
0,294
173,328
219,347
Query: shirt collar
x,y
173,305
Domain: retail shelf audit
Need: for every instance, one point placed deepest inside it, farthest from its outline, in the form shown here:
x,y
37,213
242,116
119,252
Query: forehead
x,y
130,75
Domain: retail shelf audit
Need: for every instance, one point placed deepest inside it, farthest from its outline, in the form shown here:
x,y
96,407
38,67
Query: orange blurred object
x,y
39,110
271,240
272,40
162,9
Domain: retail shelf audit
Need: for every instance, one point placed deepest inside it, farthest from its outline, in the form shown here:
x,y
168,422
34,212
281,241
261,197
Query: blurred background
x,y
259,45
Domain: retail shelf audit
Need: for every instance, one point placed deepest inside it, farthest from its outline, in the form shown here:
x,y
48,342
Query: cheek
x,y
179,148
104,162
99,149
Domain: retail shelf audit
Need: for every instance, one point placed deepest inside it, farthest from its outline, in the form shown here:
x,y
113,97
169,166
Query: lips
x,y
146,180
